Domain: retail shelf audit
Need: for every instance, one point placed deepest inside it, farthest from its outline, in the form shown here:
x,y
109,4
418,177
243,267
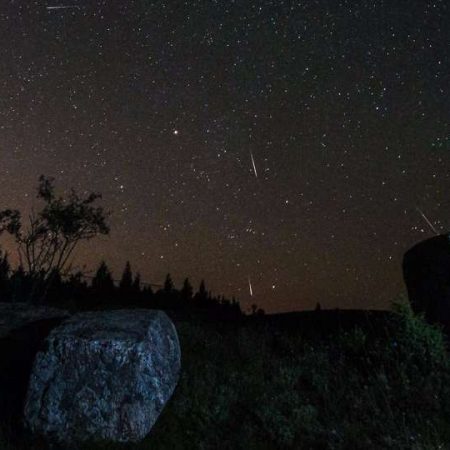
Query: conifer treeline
x,y
102,292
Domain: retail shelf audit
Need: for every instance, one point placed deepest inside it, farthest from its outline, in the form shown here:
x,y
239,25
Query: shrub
x,y
258,387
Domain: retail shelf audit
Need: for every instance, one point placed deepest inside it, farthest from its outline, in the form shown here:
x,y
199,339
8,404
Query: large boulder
x,y
103,376
23,328
426,270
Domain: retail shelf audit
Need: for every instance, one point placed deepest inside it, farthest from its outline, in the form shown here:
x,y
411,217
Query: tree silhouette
x,y
148,291
77,289
103,285
136,286
187,291
54,232
147,297
135,290
54,287
255,311
4,277
46,244
168,284
202,294
127,279
20,285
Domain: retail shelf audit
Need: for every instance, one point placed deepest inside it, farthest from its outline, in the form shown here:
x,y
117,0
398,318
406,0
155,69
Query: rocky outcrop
x,y
16,316
426,271
23,328
103,376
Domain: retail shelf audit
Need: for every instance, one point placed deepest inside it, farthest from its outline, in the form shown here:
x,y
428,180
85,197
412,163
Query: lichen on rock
x,y
104,376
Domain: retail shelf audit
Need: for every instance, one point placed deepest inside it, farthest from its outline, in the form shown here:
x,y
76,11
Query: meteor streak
x,y
50,8
250,287
253,163
426,219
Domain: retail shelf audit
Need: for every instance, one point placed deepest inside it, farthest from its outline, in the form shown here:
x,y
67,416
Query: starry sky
x,y
291,144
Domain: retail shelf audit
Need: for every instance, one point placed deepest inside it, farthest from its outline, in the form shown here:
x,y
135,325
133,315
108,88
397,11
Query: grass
x,y
258,386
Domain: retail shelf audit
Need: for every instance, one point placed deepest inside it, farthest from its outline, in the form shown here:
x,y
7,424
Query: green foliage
x,y
417,338
257,387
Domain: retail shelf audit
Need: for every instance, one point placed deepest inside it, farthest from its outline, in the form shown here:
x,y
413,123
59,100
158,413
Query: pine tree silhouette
x,y
202,290
78,290
168,285
102,287
187,291
127,279
136,286
201,297
136,290
147,292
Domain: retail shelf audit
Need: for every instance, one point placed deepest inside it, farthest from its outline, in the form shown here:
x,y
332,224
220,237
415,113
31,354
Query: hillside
x,y
378,380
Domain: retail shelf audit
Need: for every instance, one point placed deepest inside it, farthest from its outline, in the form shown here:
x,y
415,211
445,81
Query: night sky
x,y
288,144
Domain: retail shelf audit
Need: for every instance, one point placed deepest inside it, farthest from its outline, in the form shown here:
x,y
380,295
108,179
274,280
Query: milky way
x,y
292,144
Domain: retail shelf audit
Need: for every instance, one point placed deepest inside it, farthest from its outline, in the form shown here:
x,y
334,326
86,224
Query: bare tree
x,y
53,233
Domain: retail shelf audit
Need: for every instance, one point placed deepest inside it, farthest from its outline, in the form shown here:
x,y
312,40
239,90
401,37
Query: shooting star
x,y
250,287
51,8
253,164
426,219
